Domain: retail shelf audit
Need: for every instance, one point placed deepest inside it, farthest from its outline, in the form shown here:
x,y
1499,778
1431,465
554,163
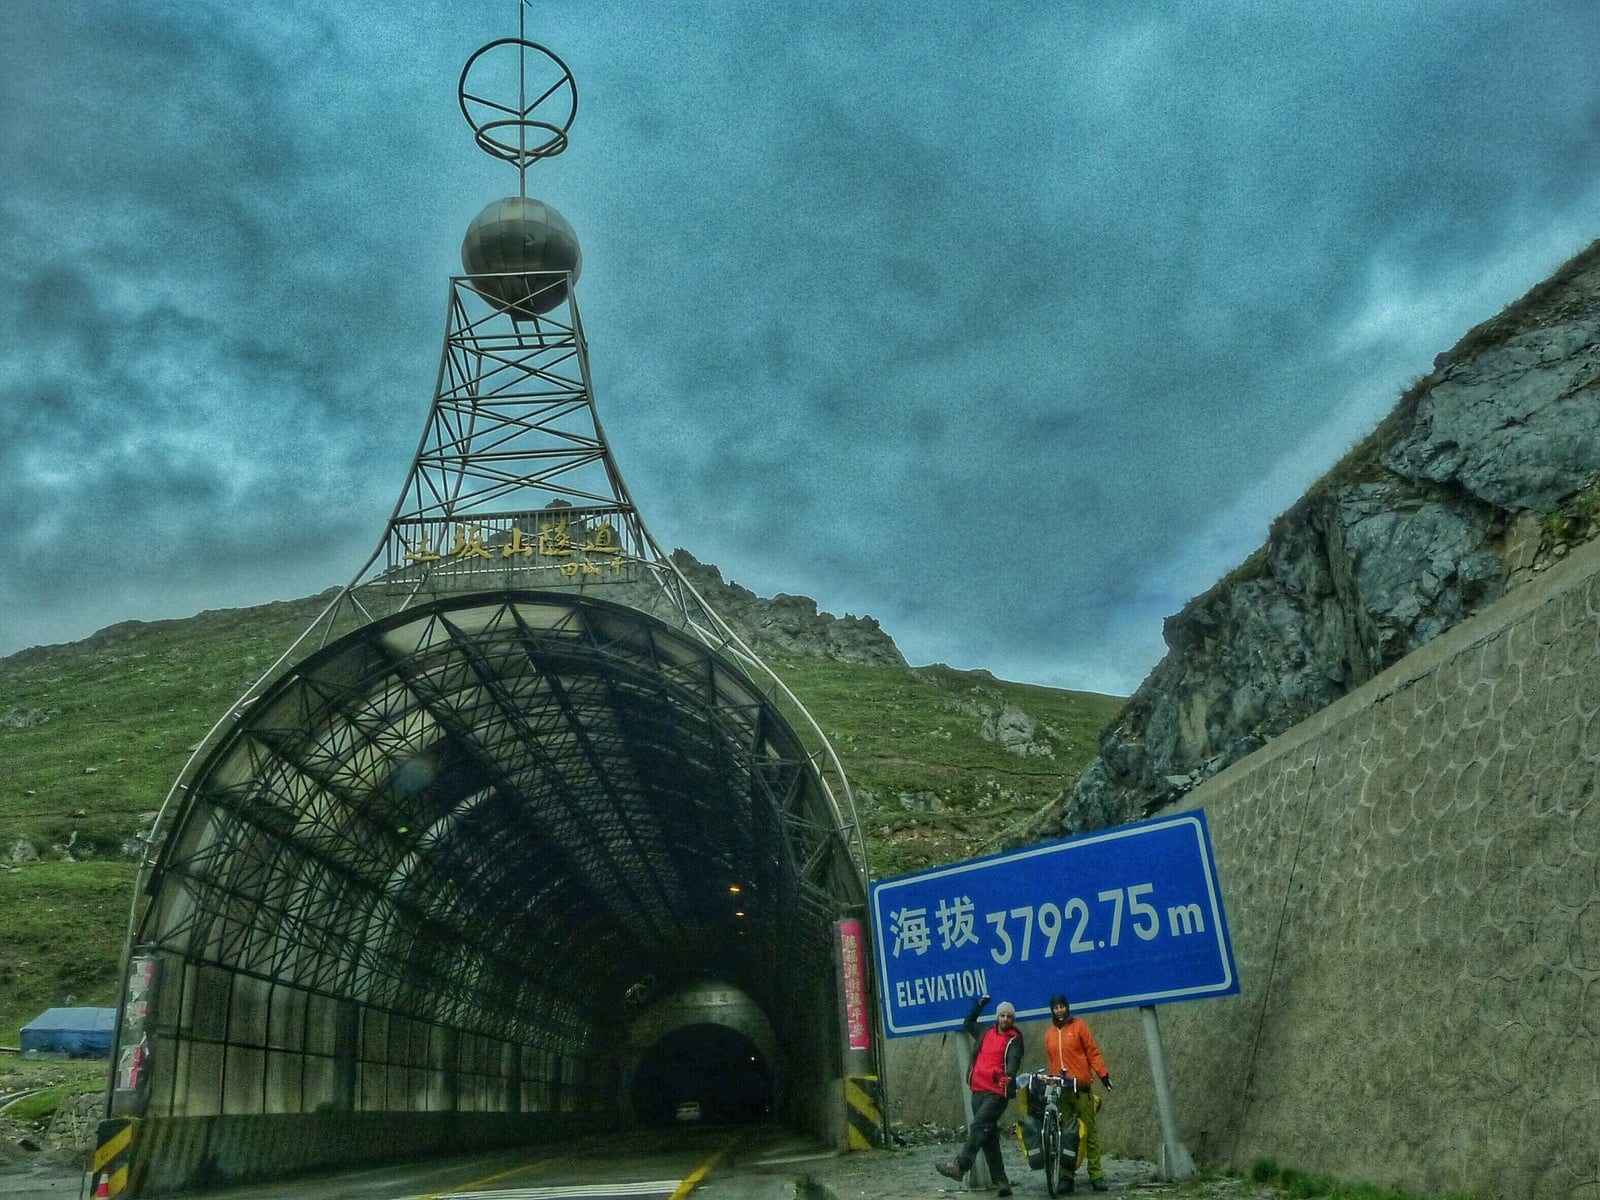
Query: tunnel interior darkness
x,y
707,1073
424,869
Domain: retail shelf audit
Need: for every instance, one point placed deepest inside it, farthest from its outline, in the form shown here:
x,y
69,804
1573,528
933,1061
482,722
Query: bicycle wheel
x,y
1050,1143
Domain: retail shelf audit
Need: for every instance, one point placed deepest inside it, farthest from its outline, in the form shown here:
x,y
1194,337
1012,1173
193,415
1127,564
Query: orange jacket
x,y
1072,1052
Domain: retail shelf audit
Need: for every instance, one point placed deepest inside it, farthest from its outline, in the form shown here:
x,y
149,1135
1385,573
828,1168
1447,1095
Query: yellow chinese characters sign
x,y
567,546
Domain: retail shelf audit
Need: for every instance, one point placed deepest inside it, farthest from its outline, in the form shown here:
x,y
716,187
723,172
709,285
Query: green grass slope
x,y
929,785
92,735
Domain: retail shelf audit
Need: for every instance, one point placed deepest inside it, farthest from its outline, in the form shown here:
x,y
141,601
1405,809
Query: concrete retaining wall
x,y
1413,885
75,1123
1412,879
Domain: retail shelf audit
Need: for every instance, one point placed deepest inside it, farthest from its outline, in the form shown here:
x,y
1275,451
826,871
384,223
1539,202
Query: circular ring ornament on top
x,y
487,141
538,82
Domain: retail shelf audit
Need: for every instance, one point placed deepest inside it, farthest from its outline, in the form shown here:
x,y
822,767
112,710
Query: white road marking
x,y
654,1187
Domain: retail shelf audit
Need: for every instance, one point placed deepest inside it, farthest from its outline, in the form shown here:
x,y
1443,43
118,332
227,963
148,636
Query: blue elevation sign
x,y
1124,917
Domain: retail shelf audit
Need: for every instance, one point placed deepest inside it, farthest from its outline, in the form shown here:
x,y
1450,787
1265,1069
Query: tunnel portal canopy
x,y
499,823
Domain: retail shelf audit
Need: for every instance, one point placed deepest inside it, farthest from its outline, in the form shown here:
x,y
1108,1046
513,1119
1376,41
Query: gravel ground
x,y
24,1143
46,1173
906,1173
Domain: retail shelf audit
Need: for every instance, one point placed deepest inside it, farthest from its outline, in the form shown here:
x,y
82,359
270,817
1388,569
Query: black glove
x,y
1106,1079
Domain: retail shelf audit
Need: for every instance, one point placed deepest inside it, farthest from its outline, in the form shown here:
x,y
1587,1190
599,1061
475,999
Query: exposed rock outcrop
x,y
1006,725
1486,471
789,625
27,718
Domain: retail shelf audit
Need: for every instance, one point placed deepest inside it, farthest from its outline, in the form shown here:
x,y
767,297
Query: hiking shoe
x,y
1098,1185
950,1171
1005,1189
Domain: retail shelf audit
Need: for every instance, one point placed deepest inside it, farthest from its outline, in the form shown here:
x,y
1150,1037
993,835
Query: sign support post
x,y
1172,1159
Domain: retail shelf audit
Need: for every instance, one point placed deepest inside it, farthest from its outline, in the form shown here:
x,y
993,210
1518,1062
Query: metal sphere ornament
x,y
523,256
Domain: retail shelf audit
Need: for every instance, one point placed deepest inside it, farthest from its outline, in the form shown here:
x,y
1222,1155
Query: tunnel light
x,y
733,889
738,914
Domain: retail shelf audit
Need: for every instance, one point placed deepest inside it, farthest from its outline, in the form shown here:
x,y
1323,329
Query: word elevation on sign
x,y
930,989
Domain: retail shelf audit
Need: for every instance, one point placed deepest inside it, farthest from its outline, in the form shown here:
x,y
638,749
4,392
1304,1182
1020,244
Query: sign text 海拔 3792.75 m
x,y
1127,916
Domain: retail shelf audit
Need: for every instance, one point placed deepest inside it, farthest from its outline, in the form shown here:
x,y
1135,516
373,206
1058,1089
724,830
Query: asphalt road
x,y
715,1164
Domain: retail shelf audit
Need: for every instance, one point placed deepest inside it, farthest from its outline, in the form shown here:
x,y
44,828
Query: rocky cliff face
x,y
1487,471
789,625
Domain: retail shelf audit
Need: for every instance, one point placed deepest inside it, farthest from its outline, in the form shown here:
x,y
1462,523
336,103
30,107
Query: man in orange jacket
x,y
1072,1052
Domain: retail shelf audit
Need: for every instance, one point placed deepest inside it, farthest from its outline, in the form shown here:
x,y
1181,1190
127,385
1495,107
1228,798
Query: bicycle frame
x,y
1049,1122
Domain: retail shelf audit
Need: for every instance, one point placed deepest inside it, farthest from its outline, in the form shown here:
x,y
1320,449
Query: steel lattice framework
x,y
513,476
491,815
492,801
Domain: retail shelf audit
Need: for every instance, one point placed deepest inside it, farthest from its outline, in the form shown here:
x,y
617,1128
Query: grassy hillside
x,y
92,734
929,786
61,930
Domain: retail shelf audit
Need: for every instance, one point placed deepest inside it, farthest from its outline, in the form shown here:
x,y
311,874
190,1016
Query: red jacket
x,y
998,1059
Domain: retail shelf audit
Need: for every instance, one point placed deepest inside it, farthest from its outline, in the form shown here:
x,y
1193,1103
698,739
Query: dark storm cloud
x,y
1012,325
1157,261
185,398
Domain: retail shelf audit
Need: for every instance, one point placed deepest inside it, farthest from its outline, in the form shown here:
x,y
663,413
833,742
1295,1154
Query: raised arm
x,y
971,1023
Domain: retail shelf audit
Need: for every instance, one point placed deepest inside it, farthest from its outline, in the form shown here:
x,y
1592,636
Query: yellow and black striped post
x,y
863,1103
113,1151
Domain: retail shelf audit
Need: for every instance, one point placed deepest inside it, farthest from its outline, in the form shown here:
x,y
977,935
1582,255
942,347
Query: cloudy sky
x,y
1011,325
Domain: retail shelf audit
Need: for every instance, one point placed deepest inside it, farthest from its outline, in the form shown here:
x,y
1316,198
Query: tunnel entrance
x,y
417,883
704,1074
705,1053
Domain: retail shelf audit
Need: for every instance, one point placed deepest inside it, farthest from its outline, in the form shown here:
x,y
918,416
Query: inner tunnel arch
x,y
707,1045
421,876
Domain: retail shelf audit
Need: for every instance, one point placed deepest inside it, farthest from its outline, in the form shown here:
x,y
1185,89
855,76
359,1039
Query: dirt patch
x,y
30,1144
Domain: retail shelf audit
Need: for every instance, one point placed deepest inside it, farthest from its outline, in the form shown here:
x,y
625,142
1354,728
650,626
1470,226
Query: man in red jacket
x,y
1072,1052
993,1080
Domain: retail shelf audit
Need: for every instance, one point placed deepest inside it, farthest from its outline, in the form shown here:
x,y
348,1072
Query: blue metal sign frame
x,y
1123,917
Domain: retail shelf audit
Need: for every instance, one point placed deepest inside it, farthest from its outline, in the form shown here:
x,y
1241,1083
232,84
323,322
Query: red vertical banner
x,y
133,1037
852,970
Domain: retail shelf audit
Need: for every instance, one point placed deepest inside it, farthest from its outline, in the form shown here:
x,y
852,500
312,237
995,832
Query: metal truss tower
x,y
513,485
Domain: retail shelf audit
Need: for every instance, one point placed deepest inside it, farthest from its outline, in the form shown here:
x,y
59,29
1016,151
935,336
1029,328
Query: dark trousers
x,y
984,1135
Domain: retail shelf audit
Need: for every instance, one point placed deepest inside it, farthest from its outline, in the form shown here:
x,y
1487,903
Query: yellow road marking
x,y
477,1184
689,1184
684,1188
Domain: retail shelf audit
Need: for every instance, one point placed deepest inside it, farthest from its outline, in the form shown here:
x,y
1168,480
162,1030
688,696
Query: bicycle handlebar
x,y
1027,1080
